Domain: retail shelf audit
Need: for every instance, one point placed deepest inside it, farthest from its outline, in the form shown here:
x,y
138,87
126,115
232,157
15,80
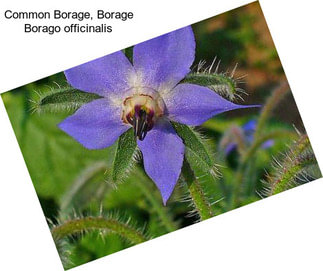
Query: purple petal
x,y
269,143
229,148
251,126
96,125
103,76
249,129
164,61
192,104
163,153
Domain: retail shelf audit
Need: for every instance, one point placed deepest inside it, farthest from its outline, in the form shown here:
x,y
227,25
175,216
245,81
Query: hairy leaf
x,y
224,85
64,99
196,152
124,156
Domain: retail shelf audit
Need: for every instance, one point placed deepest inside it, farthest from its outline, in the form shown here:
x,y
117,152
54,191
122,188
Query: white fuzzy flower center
x,y
141,111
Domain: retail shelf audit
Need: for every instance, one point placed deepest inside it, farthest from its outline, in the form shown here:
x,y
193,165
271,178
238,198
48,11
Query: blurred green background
x,y
71,180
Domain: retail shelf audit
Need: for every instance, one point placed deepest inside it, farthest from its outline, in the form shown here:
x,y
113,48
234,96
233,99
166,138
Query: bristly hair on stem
x,y
109,222
198,197
260,137
296,167
66,229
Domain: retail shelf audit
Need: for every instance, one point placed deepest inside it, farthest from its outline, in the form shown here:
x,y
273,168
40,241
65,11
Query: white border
x,y
283,232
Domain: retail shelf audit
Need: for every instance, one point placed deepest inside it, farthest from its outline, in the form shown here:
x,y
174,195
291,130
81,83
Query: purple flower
x,y
145,96
248,130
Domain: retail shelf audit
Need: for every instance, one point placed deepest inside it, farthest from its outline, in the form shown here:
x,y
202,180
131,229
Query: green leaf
x,y
222,84
85,186
124,156
63,99
196,151
128,52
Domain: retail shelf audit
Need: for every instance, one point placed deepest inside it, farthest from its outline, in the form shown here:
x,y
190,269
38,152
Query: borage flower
x,y
145,96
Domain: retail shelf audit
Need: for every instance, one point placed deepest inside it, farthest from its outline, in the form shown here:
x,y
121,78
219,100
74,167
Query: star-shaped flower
x,y
144,95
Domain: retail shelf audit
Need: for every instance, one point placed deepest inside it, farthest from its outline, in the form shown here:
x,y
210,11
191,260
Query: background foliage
x,y
93,213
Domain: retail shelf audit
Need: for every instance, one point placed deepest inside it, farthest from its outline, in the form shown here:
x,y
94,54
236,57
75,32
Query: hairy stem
x,y
247,156
297,161
289,173
261,140
197,194
80,225
277,95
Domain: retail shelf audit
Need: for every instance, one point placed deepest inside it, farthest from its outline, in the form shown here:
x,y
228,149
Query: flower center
x,y
141,111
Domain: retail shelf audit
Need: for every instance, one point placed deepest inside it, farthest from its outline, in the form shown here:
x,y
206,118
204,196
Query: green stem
x,y
247,157
271,103
80,182
197,194
235,199
290,172
301,145
161,211
98,223
261,140
297,160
